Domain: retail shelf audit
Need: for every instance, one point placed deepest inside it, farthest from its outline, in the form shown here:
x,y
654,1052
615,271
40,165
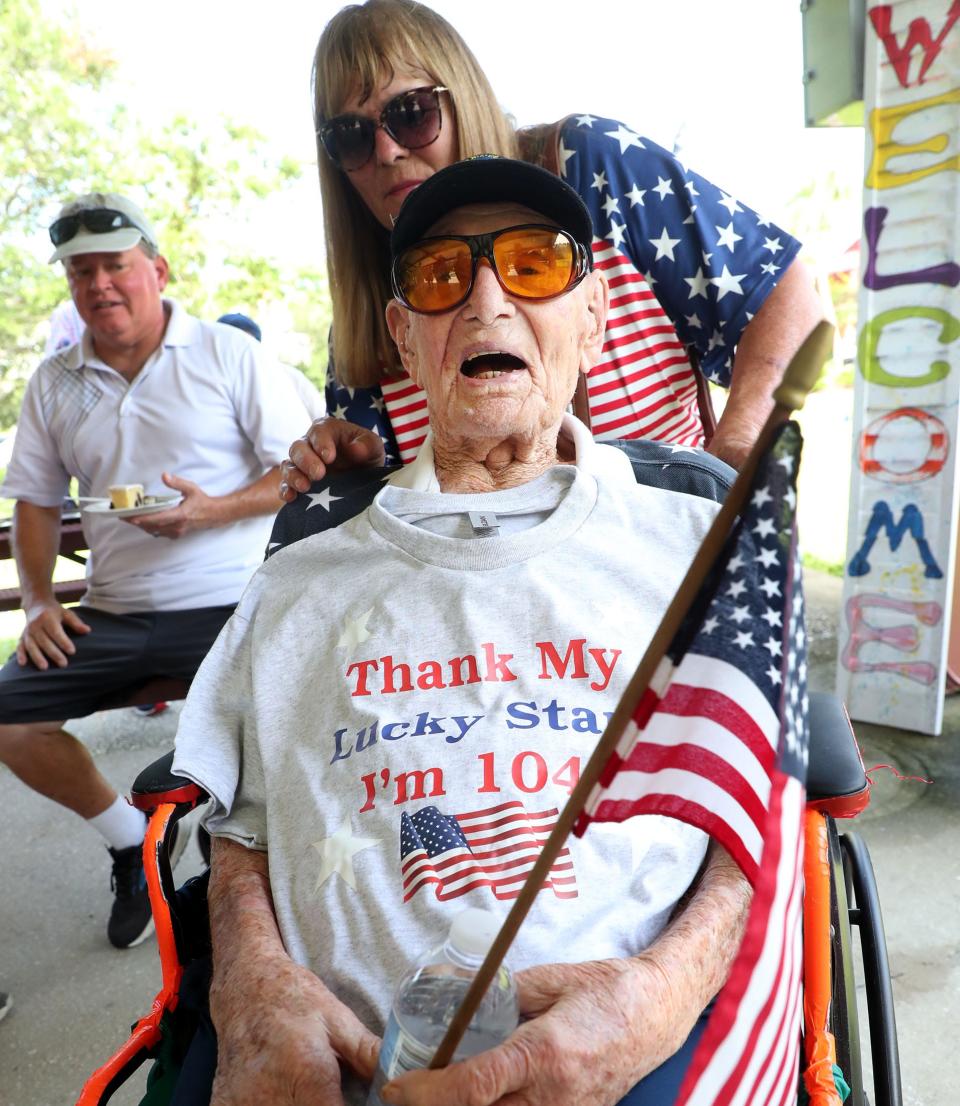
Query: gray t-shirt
x,y
398,715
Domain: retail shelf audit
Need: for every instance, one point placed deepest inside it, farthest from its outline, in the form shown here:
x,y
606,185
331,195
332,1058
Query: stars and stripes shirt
x,y
688,264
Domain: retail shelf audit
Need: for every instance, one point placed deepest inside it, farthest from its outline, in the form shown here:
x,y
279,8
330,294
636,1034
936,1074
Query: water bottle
x,y
430,994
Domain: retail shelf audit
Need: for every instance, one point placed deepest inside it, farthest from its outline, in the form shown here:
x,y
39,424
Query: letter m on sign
x,y
918,34
882,521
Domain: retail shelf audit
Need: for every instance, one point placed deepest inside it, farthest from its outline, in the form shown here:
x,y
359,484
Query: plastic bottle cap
x,y
472,932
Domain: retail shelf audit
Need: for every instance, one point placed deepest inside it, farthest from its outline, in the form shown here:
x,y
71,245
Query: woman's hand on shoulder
x,y
329,444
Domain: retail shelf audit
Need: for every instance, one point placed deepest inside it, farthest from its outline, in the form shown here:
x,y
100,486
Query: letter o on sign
x,y
904,446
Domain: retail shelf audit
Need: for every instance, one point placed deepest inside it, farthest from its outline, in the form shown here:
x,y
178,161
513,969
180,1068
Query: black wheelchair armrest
x,y
157,784
835,776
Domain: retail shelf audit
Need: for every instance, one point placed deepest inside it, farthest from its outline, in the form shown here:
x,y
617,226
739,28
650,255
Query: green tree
x,y
193,182
61,133
46,145
825,215
311,314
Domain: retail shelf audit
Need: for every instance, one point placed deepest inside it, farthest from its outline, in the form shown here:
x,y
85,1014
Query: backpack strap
x,y
708,417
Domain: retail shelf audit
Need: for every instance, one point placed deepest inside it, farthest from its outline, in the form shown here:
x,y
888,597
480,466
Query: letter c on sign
x,y
870,338
902,460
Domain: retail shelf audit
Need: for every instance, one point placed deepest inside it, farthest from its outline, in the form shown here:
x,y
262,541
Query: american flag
x,y
720,740
688,265
495,847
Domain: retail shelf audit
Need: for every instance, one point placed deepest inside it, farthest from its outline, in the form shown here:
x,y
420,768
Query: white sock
x,y
121,824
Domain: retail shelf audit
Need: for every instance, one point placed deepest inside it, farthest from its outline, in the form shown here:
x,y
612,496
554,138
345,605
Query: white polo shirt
x,y
207,406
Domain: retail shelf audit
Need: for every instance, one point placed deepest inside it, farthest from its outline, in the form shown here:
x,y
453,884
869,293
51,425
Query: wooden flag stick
x,y
798,381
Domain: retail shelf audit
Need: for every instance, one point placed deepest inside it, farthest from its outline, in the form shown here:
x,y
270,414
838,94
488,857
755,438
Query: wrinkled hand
x,y
197,511
329,444
596,1030
282,1045
45,636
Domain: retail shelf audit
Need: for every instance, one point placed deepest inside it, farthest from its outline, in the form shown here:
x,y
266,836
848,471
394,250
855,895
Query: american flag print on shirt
x,y
495,847
720,741
688,265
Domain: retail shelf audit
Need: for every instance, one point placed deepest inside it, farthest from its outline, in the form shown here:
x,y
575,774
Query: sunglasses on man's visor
x,y
98,220
412,119
531,262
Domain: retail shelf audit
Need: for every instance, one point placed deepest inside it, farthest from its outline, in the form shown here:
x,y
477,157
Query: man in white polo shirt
x,y
148,396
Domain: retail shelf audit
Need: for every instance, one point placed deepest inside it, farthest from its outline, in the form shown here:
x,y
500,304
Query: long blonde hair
x,y
361,47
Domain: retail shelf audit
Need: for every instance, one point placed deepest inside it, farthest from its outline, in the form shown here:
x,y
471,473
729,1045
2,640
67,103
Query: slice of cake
x,y
125,495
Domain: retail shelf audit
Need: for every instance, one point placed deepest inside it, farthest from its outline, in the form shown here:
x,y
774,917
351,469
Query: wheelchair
x,y
840,888
840,896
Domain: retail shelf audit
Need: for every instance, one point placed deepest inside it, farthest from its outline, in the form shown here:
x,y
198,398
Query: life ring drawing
x,y
915,464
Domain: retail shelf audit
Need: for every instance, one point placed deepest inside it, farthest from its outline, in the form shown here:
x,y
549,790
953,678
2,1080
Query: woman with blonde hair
x,y
698,278
363,49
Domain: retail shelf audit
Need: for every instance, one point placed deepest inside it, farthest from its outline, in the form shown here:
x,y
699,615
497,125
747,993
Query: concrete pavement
x,y
75,997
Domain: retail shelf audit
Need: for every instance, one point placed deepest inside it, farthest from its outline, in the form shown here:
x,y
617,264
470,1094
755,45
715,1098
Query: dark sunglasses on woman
x,y
412,119
531,261
97,220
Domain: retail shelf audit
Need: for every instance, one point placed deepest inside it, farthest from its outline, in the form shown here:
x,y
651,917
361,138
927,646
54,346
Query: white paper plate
x,y
102,507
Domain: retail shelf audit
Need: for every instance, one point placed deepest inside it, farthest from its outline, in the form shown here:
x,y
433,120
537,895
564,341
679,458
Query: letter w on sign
x,y
719,740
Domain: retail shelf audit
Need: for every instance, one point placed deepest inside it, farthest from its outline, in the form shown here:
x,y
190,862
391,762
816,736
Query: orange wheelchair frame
x,y
840,893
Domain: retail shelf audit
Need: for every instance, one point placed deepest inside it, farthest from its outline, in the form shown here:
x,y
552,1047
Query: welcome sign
x,y
902,526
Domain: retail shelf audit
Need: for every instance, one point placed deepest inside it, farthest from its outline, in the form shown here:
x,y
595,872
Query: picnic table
x,y
73,545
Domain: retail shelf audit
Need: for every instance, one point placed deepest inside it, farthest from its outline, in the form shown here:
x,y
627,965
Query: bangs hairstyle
x,y
361,48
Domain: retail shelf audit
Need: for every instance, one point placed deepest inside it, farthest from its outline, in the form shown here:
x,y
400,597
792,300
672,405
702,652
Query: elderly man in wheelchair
x,y
459,646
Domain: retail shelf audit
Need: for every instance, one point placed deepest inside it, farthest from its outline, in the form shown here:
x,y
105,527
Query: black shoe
x,y
5,1003
131,919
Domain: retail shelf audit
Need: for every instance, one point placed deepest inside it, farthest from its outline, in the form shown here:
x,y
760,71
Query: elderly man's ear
x,y
398,323
597,293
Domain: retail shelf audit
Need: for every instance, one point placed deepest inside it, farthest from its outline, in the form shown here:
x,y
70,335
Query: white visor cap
x,y
114,239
